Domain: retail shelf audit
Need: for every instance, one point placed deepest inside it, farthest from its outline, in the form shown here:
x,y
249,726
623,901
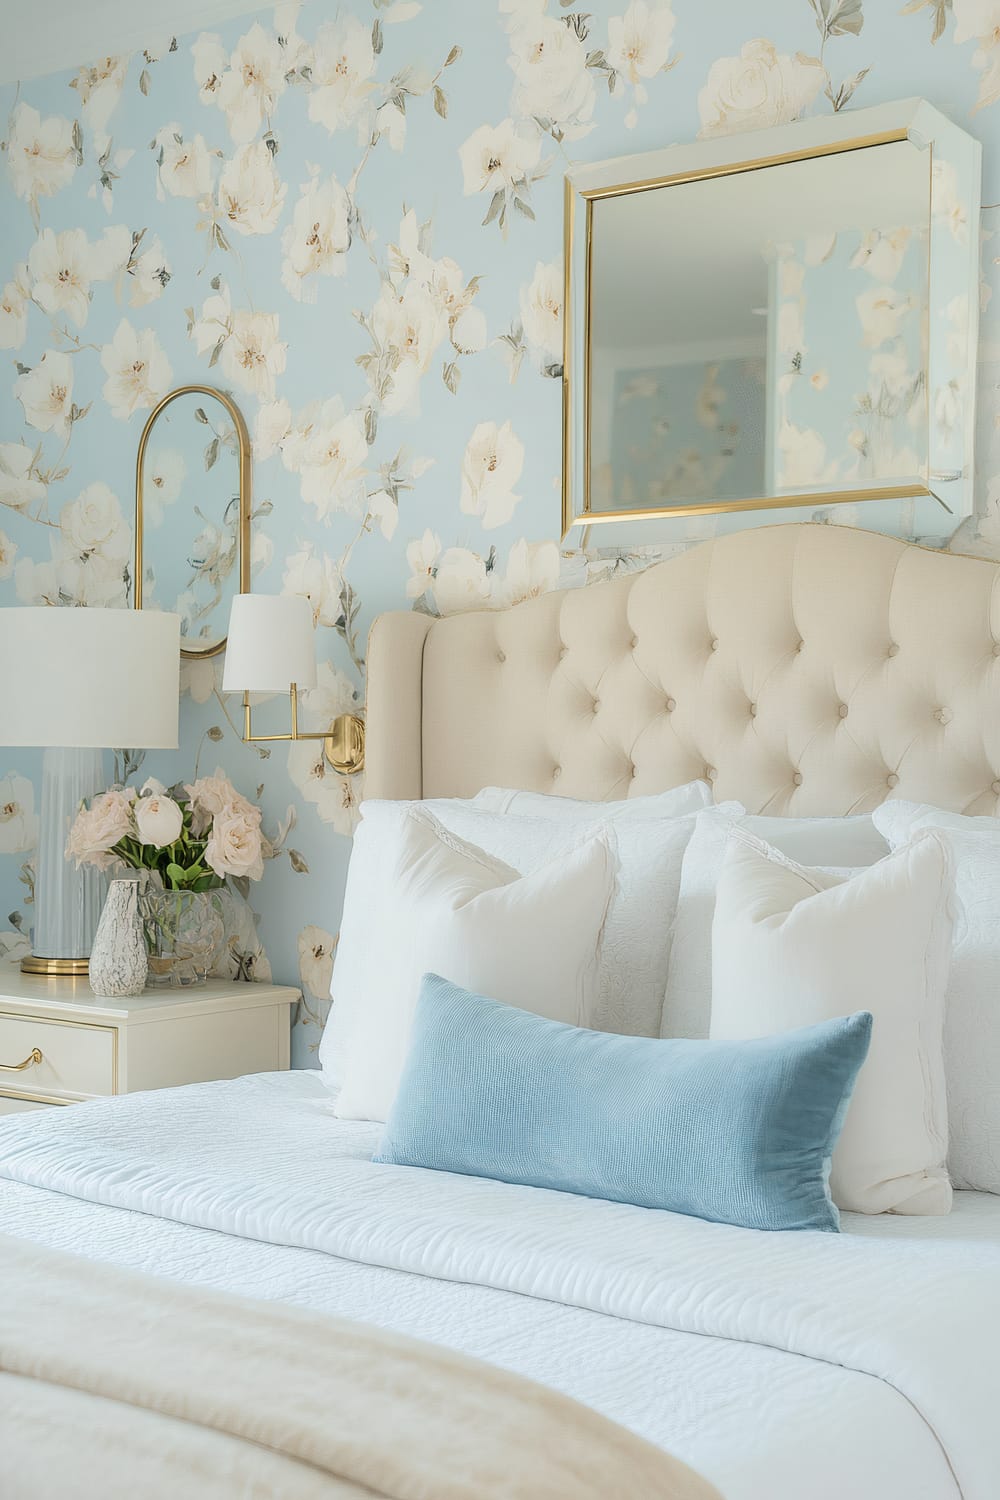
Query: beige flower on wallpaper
x,y
317,240
18,823
496,158
491,467
273,424
95,581
461,582
410,327
760,87
8,552
253,354
100,89
332,459
802,457
342,67
42,154
334,797
46,393
443,281
215,322
250,85
316,578
19,484
184,168
138,370
93,524
13,315
383,510
549,62
881,312
60,268
422,558
251,194
542,311
210,60
979,20
948,202
390,125
881,253
316,950
201,677
639,47
164,473
533,568
148,274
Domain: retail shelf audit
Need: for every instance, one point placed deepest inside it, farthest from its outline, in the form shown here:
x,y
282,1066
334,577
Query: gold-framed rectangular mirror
x,y
780,319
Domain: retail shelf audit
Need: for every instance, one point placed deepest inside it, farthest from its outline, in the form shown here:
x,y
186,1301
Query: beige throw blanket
x,y
115,1385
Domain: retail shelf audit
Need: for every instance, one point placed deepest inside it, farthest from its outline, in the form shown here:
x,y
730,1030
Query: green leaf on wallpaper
x,y
214,734
496,204
838,17
452,376
297,862
211,454
199,415
524,208
377,36
453,56
845,93
214,356
144,81
440,102
940,10
371,425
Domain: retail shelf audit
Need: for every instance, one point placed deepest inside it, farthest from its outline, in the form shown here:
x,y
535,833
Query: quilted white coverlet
x,y
779,1365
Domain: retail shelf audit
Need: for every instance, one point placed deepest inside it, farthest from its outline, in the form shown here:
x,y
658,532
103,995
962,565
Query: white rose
x,y
159,820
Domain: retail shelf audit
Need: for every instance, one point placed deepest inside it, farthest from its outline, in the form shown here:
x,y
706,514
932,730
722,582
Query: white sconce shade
x,y
271,644
89,678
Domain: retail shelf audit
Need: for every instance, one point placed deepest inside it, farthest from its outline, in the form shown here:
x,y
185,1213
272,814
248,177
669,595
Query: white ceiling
x,y
48,36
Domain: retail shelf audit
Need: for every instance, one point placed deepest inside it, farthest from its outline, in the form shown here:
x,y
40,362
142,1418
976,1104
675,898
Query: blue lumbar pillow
x,y
737,1132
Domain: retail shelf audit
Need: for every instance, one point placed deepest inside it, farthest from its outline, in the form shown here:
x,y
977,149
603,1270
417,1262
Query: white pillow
x,y
672,804
419,900
837,844
972,1006
792,947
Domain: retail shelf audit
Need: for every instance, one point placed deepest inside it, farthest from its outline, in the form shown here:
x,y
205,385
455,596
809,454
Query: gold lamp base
x,y
56,968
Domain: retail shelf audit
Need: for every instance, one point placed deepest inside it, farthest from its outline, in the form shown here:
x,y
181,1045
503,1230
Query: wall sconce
x,y
271,649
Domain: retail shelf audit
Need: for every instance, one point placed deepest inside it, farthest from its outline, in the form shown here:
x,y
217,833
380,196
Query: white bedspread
x,y
779,1365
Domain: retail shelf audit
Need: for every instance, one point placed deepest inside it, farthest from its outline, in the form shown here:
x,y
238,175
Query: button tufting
x,y
893,649
595,706
892,779
842,710
797,778
634,642
996,788
556,772
670,705
562,651
714,644
632,772
753,710
710,773
943,715
800,646
501,656
996,648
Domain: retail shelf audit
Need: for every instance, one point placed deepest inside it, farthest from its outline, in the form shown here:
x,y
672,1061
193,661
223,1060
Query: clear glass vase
x,y
184,934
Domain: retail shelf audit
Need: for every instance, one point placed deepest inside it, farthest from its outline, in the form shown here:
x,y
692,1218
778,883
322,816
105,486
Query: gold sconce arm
x,y
343,742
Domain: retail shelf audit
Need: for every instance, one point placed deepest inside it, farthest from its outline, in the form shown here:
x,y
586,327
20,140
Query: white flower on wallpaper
x,y
246,344
42,154
328,450
184,167
164,473
273,424
316,950
14,313
390,125
46,394
461,582
100,89
979,20
881,253
422,559
335,797
760,87
317,578
948,204
317,240
803,460
251,194
639,48
20,485
92,526
409,328
8,552
533,568
148,274
343,61
248,85
443,303
137,368
491,467
553,82
881,310
500,160
18,823
541,302
60,268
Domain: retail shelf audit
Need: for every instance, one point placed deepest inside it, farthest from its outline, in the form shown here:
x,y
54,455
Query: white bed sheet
x,y
265,1158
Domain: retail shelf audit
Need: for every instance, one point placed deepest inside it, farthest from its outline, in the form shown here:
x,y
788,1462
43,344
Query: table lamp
x,y
77,682
271,648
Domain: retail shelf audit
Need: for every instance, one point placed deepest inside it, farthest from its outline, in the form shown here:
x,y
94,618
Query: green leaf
x,y
440,102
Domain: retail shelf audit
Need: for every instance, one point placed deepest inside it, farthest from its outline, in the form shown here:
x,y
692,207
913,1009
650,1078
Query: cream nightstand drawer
x,y
42,1056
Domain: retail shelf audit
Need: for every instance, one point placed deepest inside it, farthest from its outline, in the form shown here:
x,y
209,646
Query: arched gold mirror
x,y
192,513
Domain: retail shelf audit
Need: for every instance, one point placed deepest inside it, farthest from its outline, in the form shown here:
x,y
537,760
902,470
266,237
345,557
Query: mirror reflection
x,y
192,515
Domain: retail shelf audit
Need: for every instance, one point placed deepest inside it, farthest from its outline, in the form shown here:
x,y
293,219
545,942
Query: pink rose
x,y
236,846
97,828
209,795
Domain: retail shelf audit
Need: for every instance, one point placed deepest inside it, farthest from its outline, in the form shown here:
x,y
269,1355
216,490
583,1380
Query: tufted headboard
x,y
804,669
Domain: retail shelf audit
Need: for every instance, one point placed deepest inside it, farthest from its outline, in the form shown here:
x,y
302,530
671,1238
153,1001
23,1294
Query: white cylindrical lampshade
x,y
89,678
270,644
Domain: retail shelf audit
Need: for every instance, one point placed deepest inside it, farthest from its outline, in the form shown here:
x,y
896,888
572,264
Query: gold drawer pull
x,y
34,1057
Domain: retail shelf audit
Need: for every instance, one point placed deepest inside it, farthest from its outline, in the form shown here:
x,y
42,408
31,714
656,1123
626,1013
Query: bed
x,y
801,669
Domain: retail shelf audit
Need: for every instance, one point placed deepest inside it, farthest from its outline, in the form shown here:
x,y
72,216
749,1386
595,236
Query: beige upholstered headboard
x,y
803,669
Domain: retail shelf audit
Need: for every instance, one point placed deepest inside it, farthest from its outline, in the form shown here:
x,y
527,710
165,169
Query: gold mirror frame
x,y
243,529
912,120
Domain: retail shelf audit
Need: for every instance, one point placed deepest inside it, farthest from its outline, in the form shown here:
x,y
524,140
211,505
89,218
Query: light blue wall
x,y
430,478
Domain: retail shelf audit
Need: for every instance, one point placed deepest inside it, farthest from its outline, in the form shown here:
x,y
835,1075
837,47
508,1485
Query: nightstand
x,y
59,1043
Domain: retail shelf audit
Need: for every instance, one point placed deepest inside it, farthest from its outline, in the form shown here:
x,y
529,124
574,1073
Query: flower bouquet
x,y
188,842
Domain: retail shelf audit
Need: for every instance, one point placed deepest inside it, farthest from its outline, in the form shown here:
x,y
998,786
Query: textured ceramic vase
x,y
118,957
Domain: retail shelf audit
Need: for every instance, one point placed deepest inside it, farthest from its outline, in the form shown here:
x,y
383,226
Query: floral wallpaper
x,y
350,217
